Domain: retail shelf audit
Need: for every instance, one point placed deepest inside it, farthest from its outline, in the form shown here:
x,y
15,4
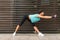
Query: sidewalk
x,y
29,37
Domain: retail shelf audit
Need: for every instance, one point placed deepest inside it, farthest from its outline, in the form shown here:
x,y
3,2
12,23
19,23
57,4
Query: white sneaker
x,y
40,34
14,33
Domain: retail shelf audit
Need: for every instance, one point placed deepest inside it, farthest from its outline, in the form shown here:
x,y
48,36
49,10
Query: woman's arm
x,y
46,17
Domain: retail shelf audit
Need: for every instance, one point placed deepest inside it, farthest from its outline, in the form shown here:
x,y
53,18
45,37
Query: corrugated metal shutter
x,y
23,7
12,11
6,15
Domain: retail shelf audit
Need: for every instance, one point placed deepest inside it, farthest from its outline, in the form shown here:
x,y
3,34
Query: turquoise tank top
x,y
34,18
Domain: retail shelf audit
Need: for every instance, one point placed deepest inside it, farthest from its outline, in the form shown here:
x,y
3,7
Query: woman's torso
x,y
34,18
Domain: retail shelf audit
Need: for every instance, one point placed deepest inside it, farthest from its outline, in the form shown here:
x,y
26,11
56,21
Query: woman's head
x,y
41,12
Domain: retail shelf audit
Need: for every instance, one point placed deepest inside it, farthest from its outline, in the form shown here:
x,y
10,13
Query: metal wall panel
x,y
12,12
6,15
50,7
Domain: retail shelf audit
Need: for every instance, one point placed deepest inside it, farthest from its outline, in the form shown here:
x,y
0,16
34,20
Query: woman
x,y
33,19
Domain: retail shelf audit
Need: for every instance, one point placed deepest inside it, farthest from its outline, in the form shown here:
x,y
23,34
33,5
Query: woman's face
x,y
42,13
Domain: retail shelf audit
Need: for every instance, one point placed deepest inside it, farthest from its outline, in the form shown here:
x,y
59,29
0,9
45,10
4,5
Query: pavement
x,y
29,37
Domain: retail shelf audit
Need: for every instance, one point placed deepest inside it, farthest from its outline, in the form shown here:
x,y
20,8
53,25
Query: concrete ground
x,y
29,37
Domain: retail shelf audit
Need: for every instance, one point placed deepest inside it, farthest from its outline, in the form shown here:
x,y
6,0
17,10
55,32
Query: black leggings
x,y
26,18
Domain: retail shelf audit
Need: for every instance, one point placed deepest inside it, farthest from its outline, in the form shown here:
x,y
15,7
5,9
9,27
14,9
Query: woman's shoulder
x,y
34,14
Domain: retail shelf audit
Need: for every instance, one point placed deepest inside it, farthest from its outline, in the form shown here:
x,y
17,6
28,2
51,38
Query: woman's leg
x,y
20,24
39,33
16,30
35,28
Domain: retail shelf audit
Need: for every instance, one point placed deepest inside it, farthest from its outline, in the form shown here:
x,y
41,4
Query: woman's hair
x,y
40,11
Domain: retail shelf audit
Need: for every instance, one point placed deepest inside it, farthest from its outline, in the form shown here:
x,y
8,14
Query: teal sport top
x,y
34,18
